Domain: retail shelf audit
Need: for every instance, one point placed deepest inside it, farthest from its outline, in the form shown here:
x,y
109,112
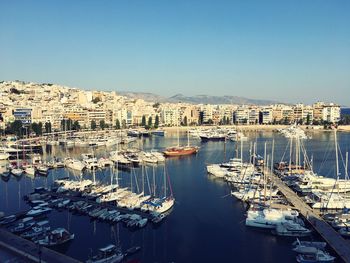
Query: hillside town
x,y
53,104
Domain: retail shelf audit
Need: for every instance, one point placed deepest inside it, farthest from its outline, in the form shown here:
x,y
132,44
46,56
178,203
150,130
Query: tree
x,y
15,127
76,126
156,122
93,125
210,121
185,121
63,125
48,128
308,117
149,122
124,124
96,100
37,128
69,124
156,105
143,121
102,124
117,124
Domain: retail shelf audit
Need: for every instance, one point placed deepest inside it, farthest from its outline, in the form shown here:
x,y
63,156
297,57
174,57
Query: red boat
x,y
180,150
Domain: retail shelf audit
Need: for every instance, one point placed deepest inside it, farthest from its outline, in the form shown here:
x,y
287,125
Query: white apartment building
x,y
331,113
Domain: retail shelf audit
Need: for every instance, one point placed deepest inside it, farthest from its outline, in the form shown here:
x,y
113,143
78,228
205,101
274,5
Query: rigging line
x,y
325,156
285,150
342,157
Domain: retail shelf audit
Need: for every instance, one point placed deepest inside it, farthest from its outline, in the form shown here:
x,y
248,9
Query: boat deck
x,y
104,205
340,245
29,251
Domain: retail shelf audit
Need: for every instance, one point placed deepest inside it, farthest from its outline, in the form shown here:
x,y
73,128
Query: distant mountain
x,y
143,95
198,99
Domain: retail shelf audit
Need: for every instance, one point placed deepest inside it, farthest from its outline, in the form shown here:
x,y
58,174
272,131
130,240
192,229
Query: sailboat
x,y
181,150
17,171
163,204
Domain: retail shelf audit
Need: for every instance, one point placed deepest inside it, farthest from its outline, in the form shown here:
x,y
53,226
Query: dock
x,y
29,251
340,246
103,205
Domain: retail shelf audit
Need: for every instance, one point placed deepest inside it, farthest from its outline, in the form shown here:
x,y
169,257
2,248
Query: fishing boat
x,y
74,164
22,227
17,171
108,254
42,169
56,237
317,257
38,210
7,220
304,247
158,132
181,150
30,170
38,229
291,229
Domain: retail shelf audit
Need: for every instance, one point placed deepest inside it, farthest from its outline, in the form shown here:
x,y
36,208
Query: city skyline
x,y
279,51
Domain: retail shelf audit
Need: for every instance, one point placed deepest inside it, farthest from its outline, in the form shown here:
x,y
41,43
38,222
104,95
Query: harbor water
x,y
207,224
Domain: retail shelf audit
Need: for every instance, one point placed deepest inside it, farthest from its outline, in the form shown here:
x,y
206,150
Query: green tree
x,y
185,121
150,122
63,125
124,124
37,128
156,105
48,128
308,117
117,124
156,122
93,125
143,121
69,124
102,124
76,126
15,127
96,100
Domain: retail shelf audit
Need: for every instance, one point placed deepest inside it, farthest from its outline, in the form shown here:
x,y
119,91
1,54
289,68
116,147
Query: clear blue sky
x,y
294,51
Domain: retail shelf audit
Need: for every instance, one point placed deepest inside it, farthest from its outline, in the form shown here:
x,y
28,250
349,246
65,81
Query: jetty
x,y
29,251
327,232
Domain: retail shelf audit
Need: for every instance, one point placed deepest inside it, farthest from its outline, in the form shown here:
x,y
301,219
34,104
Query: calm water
x,y
206,225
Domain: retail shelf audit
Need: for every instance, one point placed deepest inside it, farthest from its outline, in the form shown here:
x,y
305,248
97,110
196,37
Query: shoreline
x,y
341,128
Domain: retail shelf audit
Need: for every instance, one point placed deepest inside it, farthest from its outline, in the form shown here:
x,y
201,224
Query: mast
x,y
188,138
164,181
272,152
336,153
290,155
346,165
154,182
264,171
143,179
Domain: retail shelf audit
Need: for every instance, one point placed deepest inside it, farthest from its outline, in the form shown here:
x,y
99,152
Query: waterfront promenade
x,y
30,252
331,236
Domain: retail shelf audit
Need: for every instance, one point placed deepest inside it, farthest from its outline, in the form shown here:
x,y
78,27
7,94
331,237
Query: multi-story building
x,y
24,115
266,115
331,113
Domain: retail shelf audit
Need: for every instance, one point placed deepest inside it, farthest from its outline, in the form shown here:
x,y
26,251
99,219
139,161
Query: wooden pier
x,y
331,236
30,251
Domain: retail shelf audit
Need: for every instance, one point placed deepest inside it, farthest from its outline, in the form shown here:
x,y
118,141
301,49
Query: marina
x,y
74,205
